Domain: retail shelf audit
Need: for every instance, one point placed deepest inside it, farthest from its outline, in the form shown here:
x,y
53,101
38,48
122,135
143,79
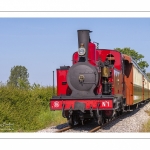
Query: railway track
x,y
64,129
93,129
109,123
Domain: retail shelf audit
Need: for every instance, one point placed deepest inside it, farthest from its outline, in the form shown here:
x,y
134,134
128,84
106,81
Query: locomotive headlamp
x,y
81,50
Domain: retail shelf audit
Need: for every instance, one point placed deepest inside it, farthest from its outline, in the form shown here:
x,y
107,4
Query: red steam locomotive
x,y
100,84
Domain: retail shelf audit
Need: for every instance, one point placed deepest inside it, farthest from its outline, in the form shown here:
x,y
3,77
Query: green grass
x,y
26,110
146,126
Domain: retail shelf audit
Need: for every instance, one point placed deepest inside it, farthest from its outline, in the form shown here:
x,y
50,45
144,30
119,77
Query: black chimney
x,y
84,37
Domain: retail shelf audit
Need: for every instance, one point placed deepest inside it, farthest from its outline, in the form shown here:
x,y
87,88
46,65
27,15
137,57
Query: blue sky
x,y
44,44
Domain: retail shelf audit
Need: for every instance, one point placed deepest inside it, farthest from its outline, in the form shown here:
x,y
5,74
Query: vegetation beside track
x,y
26,110
146,126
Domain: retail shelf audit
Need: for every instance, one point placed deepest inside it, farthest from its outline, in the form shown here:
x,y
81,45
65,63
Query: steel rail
x,y
64,129
108,123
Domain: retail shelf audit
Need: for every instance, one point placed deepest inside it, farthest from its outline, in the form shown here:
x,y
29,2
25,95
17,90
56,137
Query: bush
x,y
26,110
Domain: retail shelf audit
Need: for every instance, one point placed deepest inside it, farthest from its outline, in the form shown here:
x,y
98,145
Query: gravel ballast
x,y
131,122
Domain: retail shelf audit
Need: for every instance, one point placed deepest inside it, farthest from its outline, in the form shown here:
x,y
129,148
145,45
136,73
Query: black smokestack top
x,y
84,37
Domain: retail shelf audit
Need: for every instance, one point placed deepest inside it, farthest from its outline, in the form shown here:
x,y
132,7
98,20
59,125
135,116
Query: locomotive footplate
x,y
105,103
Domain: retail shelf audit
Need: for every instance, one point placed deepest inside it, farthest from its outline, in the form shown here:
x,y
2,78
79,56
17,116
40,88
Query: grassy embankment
x,y
146,126
26,110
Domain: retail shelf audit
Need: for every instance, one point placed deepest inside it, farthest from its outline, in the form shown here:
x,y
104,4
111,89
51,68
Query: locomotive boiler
x,y
100,84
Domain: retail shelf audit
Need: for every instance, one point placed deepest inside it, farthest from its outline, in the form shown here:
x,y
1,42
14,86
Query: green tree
x,y
136,56
19,77
148,75
35,86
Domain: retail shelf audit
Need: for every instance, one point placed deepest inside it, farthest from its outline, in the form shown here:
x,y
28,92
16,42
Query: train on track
x,y
100,84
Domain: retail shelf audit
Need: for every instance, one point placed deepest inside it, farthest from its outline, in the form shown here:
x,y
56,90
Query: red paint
x,y
117,55
75,58
92,54
97,56
104,104
62,86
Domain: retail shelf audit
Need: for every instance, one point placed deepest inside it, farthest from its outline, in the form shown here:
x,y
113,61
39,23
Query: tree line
x,y
137,57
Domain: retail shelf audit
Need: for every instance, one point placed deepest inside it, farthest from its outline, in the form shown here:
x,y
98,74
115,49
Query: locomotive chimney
x,y
83,41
